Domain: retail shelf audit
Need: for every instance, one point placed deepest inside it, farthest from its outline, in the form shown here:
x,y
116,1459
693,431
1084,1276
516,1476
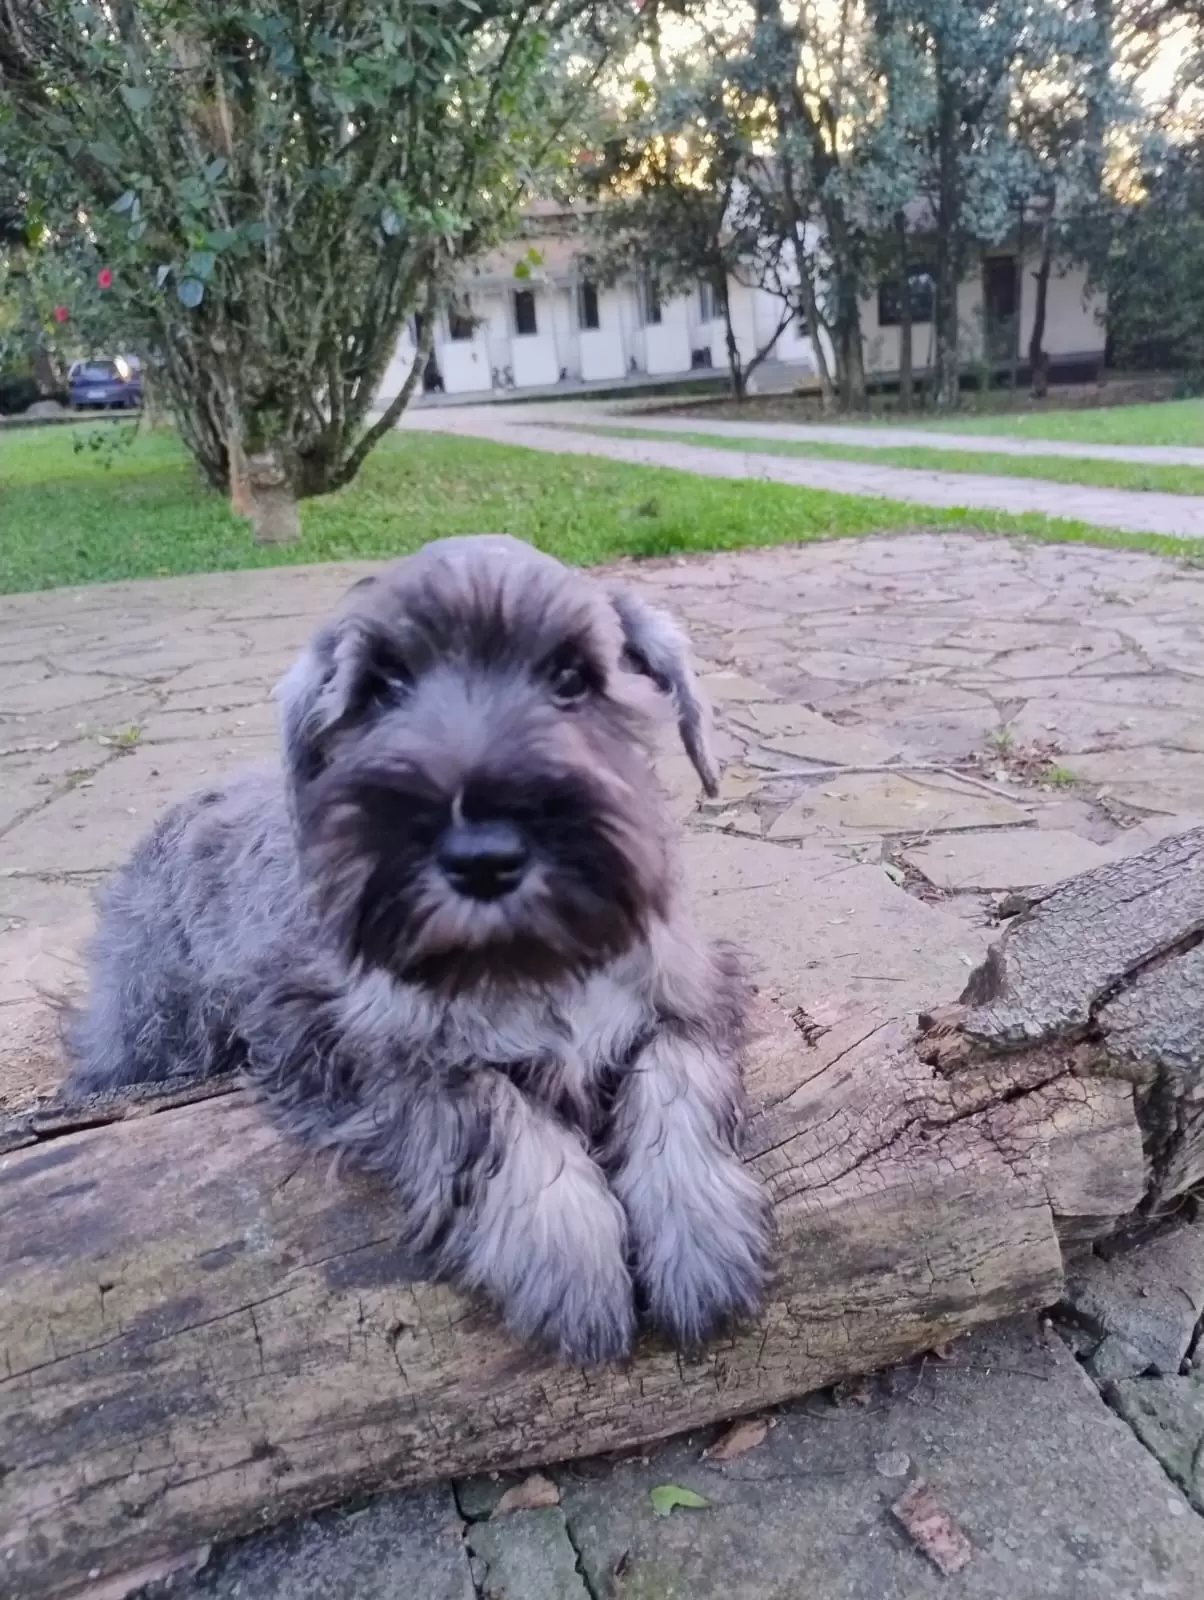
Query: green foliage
x,y
276,188
52,307
825,148
17,393
105,443
1155,268
683,203
1011,126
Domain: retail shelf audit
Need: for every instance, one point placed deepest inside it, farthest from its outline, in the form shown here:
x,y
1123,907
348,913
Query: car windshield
x,y
97,372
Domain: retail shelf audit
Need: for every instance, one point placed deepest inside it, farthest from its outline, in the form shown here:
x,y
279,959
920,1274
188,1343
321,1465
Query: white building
x,y
527,319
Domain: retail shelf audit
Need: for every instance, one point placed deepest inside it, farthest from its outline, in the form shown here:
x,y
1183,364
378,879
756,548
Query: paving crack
x,y
582,1572
478,1566
85,773
1108,1395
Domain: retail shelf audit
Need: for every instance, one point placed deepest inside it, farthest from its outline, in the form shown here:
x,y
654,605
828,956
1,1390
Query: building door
x,y
524,313
1001,307
588,319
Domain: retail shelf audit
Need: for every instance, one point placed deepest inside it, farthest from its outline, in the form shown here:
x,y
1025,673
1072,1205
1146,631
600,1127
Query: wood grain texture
x,y
202,1330
1092,933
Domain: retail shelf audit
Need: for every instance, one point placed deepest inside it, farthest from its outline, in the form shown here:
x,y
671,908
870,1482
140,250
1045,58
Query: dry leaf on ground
x,y
532,1494
932,1529
740,1438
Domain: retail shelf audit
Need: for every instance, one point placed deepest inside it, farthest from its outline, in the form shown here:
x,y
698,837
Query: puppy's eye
x,y
384,690
570,679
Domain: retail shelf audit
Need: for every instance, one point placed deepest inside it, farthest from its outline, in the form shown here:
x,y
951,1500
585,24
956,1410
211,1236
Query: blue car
x,y
97,384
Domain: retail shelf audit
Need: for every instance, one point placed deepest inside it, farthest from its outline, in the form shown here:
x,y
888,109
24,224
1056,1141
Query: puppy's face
x,y
467,745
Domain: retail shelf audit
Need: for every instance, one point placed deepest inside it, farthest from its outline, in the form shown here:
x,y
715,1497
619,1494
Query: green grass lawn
x,y
67,518
1063,469
1174,422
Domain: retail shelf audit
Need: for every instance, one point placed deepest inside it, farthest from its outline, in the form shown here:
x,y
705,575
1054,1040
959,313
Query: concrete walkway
x,y
562,430
1038,709
893,437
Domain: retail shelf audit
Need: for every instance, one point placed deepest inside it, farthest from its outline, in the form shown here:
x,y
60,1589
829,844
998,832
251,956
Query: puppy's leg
x,y
496,1194
151,1013
543,1234
700,1224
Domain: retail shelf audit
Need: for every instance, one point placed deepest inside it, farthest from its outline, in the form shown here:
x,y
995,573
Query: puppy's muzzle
x,y
484,860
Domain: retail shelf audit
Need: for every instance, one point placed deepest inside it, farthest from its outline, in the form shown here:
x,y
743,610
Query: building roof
x,y
559,259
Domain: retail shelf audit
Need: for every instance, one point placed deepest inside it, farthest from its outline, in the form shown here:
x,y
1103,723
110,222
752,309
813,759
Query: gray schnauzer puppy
x,y
447,942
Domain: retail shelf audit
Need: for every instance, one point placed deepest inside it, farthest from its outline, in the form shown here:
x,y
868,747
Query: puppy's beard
x,y
542,930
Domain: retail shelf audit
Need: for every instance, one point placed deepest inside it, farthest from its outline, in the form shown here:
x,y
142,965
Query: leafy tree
x,y
972,167
1155,270
278,185
681,202
994,102
54,299
892,169
1067,103
1148,244
811,67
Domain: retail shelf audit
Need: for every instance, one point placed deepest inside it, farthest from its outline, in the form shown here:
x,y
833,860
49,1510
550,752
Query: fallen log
x,y
202,1331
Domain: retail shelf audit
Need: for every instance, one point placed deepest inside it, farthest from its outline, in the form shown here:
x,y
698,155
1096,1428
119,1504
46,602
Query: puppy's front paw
x,y
578,1301
550,1246
707,1260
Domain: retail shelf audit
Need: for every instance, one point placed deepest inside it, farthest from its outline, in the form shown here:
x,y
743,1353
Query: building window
x,y
999,284
650,303
708,302
524,312
921,283
587,306
461,324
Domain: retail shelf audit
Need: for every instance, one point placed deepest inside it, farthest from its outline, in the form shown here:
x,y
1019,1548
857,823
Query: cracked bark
x,y
258,1348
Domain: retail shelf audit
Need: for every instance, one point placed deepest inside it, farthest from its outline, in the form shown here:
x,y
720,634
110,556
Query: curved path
x,y
564,429
893,437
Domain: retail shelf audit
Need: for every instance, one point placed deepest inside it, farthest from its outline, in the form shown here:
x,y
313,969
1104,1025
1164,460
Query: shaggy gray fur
x,y
447,941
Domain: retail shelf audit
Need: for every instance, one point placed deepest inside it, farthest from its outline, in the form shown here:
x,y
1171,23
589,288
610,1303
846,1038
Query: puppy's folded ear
x,y
657,647
347,668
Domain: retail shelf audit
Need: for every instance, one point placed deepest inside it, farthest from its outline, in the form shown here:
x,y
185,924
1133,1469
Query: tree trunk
x,y
241,499
273,495
1099,93
853,362
948,362
734,363
846,318
155,411
1038,358
906,381
847,342
782,83
814,330
204,1332
45,371
950,253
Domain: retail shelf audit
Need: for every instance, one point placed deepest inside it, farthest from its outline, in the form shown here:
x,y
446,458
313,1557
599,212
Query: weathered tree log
x,y
202,1331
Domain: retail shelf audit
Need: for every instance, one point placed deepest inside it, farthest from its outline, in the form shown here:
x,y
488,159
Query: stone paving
x,y
911,727
564,430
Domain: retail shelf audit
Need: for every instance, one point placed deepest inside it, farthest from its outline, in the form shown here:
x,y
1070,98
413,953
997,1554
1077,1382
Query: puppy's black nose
x,y
483,860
